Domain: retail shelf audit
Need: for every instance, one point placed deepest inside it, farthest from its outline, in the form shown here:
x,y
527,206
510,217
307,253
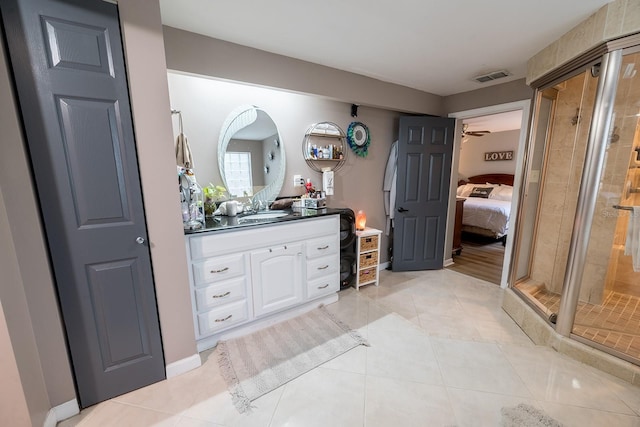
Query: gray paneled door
x,y
71,83
425,147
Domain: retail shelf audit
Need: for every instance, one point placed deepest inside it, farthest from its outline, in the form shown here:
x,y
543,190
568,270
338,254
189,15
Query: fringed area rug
x,y
257,363
527,416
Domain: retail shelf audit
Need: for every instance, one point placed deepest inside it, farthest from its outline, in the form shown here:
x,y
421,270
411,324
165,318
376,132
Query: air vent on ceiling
x,y
494,75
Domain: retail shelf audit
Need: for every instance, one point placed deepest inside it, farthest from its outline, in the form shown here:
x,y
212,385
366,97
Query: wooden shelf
x,y
367,257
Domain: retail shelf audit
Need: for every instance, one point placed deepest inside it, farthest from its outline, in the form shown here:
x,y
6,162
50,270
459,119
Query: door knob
x,y
401,209
140,240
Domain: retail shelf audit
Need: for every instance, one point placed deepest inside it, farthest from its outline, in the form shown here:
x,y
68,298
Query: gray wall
x,y
516,90
472,154
197,54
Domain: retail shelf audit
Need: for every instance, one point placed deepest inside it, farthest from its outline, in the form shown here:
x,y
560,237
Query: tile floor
x,y
443,353
615,323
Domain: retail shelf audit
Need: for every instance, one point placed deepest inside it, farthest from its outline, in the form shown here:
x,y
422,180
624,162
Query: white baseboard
x,y
61,413
448,262
383,265
183,365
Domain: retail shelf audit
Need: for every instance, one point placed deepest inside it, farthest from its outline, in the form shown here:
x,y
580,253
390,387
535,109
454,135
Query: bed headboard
x,y
492,178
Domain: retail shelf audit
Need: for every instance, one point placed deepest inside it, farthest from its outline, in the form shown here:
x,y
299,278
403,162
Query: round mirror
x,y
251,155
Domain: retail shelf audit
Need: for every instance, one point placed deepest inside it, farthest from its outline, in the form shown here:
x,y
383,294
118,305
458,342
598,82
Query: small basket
x,y
367,275
368,260
368,243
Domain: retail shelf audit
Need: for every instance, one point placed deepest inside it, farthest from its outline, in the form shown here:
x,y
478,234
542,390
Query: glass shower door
x,y
608,311
563,114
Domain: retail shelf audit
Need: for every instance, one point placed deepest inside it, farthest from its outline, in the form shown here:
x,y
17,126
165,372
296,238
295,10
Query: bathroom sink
x,y
265,215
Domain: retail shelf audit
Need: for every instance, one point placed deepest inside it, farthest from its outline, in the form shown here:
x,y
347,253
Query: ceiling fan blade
x,y
478,132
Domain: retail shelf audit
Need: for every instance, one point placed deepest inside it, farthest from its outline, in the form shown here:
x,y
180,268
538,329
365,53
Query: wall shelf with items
x,y
324,146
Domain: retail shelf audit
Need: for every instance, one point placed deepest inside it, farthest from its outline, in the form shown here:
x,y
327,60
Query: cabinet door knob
x,y
222,270
323,248
322,287
139,240
323,268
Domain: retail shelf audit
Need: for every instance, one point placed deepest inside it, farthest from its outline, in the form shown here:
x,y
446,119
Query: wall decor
x,y
358,138
498,155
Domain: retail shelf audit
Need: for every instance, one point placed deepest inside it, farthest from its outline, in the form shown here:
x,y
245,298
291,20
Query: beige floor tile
x,y
477,366
391,402
460,327
554,378
476,408
322,397
401,351
113,414
576,416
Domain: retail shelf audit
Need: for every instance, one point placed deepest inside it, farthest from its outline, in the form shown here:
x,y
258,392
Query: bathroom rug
x,y
525,415
257,363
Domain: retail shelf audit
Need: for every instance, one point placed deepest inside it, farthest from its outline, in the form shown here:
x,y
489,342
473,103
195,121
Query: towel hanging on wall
x,y
632,244
184,156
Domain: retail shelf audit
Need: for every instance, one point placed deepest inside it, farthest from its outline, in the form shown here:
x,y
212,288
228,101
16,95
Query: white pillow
x,y
503,192
465,190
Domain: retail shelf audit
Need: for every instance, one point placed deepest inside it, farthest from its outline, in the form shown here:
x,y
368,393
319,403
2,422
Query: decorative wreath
x,y
358,138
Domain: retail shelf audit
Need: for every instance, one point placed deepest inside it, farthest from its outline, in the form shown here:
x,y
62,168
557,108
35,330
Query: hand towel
x,y
184,157
327,182
632,244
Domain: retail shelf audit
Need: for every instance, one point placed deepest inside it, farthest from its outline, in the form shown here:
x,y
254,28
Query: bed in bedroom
x,y
488,204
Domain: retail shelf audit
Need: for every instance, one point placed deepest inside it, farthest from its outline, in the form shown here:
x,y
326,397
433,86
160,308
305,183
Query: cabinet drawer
x,y
368,259
368,243
367,275
323,285
218,268
322,266
222,317
216,295
323,246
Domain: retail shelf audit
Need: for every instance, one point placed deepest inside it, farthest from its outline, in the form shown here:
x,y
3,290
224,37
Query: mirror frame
x,y
240,118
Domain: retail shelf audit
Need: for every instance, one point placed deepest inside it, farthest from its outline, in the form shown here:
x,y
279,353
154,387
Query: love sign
x,y
498,155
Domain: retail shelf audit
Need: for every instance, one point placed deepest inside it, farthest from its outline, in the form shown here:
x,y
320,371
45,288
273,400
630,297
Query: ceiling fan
x,y
466,132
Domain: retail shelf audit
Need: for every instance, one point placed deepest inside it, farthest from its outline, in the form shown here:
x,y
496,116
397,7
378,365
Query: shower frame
x,y
608,56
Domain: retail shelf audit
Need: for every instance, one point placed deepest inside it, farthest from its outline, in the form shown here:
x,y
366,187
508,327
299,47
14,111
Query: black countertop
x,y
222,223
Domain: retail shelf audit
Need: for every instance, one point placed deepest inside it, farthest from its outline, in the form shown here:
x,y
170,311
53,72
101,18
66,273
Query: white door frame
x,y
524,106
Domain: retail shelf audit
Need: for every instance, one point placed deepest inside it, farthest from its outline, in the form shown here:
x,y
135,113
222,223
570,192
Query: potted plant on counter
x,y
212,195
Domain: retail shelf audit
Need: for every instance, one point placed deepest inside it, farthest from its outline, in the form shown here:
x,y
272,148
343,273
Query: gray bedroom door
x,y
425,147
71,84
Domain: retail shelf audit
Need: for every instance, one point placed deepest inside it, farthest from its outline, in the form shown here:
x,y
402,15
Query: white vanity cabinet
x,y
242,278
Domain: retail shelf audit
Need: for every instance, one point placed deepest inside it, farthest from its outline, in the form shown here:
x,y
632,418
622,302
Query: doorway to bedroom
x,y
488,158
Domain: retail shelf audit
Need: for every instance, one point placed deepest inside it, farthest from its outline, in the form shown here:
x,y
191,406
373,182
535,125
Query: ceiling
x,y
435,46
499,122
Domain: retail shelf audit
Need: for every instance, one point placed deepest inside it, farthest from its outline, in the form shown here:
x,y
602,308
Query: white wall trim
x,y
383,266
525,106
61,413
183,365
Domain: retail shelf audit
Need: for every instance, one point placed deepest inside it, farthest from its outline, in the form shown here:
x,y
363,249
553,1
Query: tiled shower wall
x,y
565,159
616,19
